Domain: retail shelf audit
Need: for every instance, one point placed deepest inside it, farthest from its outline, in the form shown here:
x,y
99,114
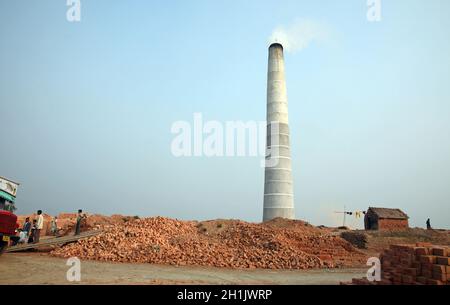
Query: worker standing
x,y
39,226
428,224
80,218
32,233
54,226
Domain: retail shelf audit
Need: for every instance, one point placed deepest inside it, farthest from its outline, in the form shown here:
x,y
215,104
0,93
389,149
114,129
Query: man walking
x,y
428,224
39,226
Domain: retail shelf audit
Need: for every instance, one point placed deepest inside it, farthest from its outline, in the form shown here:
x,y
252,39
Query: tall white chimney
x,y
278,188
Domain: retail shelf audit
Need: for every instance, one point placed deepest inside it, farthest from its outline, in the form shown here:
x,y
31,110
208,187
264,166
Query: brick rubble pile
x,y
279,244
66,222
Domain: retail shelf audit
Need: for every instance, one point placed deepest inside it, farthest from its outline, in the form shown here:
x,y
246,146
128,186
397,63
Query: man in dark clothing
x,y
428,224
31,236
27,226
80,218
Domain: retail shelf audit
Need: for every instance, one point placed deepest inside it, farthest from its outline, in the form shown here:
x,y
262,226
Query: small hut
x,y
385,219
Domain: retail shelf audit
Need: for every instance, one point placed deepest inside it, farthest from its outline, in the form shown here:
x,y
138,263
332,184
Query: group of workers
x,y
31,231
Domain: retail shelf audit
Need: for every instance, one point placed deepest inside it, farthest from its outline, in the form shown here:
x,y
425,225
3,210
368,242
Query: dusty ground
x,y
285,240
380,240
39,268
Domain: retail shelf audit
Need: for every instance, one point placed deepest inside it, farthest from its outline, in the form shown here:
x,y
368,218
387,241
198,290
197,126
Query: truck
x,y
8,226
8,221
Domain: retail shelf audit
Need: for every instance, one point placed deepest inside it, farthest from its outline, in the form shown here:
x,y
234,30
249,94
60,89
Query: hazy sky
x,y
87,107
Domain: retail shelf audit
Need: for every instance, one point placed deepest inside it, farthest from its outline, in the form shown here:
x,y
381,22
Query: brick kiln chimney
x,y
278,188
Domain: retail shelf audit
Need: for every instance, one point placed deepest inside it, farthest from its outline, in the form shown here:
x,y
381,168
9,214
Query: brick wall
x,y
392,224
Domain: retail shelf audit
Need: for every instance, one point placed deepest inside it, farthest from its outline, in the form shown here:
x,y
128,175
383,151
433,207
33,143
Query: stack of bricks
x,y
419,264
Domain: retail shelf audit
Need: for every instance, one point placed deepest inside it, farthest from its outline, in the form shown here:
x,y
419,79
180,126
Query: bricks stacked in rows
x,y
419,264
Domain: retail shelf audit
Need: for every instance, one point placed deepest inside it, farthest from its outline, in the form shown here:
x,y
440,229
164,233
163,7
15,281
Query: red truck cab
x,y
8,221
8,226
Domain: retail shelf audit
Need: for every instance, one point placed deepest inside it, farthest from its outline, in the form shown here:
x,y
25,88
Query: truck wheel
x,y
3,246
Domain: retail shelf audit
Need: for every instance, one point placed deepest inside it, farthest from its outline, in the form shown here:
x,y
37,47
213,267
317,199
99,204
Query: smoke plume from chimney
x,y
299,35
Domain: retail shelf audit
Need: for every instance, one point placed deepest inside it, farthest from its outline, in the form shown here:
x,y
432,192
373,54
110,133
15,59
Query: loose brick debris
x,y
280,244
66,222
419,264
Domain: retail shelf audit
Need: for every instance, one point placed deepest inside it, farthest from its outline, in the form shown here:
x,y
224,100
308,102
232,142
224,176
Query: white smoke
x,y
300,34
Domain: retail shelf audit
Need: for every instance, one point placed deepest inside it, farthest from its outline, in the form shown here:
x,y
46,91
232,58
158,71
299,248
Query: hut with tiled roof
x,y
385,219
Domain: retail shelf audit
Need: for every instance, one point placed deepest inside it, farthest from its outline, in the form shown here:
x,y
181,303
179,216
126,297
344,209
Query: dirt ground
x,y
40,268
223,239
379,240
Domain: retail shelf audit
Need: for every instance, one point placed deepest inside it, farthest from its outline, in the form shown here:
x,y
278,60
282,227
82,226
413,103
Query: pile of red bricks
x,y
66,222
234,244
419,264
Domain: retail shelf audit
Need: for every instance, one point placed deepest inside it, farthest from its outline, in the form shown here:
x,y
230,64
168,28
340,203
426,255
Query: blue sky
x,y
87,107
